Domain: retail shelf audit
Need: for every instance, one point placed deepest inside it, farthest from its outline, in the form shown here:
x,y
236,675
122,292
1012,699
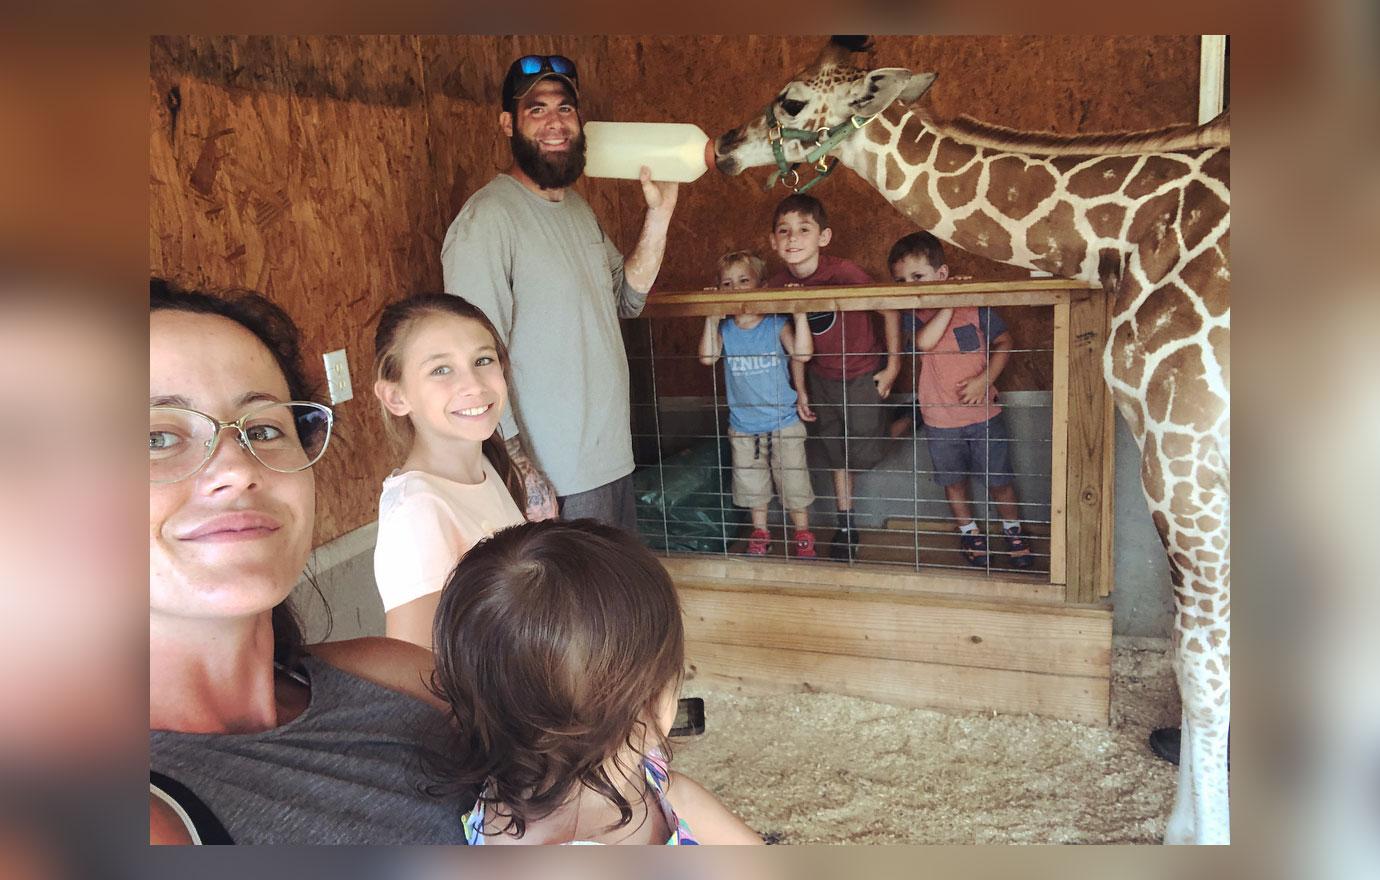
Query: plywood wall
x,y
323,171
300,168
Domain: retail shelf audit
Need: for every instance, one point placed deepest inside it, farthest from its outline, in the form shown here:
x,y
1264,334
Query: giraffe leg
x,y
1182,819
1202,666
1190,506
1208,768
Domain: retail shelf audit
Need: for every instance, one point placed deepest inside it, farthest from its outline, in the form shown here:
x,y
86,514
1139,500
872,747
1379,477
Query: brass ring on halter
x,y
795,178
821,134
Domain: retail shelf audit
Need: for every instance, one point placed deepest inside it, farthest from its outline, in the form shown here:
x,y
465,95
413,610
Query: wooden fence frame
x,y
1082,441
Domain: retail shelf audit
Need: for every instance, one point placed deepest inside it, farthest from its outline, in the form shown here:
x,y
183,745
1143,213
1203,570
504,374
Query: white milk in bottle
x,y
674,151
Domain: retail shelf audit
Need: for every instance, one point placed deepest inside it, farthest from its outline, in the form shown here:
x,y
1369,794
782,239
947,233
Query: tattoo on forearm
x,y
538,490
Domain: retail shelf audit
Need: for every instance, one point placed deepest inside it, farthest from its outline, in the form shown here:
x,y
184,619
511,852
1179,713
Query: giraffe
x,y
1146,215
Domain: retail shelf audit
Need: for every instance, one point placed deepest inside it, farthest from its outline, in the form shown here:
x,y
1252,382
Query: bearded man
x,y
529,251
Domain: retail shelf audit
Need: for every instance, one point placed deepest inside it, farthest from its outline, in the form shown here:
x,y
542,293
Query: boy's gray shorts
x,y
981,450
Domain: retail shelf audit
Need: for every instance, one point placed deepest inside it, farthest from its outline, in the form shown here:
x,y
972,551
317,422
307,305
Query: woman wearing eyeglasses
x,y
255,738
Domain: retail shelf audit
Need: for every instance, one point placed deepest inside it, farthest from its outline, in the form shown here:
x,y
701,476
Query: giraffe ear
x,y
875,92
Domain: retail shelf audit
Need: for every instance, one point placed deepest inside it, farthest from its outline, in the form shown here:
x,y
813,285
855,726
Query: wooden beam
x,y
864,577
939,294
1059,446
922,685
1106,566
911,628
1087,396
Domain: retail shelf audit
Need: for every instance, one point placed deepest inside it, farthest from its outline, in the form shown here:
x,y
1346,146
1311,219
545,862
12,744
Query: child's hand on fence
x,y
802,407
973,391
885,380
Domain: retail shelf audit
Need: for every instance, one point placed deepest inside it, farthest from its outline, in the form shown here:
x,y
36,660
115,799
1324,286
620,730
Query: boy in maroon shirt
x,y
851,372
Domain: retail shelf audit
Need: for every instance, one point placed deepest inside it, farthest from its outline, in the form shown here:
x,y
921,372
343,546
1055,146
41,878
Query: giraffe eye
x,y
791,107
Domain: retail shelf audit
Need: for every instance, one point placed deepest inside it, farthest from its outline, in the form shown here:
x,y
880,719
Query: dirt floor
x,y
819,768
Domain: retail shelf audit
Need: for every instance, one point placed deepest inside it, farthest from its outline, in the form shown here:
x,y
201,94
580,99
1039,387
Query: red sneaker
x,y
805,544
758,543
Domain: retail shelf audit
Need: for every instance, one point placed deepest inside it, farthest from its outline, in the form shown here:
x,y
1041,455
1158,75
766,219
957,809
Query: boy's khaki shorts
x,y
760,458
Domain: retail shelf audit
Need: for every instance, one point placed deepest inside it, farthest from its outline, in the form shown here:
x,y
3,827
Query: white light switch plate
x,y
338,376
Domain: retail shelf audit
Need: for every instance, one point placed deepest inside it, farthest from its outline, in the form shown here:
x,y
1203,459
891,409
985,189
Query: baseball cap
x,y
527,71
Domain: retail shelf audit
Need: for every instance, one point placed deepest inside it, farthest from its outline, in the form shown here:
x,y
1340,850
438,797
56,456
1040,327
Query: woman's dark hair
x,y
396,323
554,642
271,326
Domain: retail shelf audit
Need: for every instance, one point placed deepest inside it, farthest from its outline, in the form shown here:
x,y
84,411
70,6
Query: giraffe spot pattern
x,y
1219,339
1045,237
1218,167
1179,393
1160,520
922,211
1106,220
1015,188
1152,229
1176,445
1166,315
915,152
1101,178
1154,174
895,176
1203,213
960,189
1203,276
953,155
1153,478
979,233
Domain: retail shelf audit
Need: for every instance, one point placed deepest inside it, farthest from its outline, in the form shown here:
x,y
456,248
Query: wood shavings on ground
x,y
822,768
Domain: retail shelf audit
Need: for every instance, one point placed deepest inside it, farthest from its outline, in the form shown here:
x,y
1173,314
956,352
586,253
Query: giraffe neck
x,y
999,204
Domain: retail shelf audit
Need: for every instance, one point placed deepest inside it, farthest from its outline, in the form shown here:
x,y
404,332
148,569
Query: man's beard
x,y
553,170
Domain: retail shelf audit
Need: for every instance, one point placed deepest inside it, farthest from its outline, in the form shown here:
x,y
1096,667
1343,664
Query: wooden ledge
x,y
866,297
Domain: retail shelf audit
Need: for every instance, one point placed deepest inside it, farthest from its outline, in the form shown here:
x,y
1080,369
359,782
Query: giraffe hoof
x,y
1164,742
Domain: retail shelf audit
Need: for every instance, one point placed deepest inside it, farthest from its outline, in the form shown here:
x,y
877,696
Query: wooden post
x,y
1086,427
1106,567
1059,445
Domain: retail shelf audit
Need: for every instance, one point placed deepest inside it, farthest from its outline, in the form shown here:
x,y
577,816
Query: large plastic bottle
x,y
672,150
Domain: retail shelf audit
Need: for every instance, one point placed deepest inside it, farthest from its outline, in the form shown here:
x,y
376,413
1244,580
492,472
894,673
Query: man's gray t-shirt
x,y
552,283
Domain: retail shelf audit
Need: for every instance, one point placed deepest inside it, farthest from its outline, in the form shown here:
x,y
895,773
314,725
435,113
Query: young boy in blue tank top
x,y
766,434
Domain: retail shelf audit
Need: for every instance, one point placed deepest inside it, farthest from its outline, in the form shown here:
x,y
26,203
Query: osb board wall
x,y
324,171
300,168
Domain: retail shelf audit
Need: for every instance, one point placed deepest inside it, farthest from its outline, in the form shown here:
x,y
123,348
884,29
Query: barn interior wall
x,y
323,171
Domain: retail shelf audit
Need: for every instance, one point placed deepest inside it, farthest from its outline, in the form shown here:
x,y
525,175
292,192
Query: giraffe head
x,y
825,93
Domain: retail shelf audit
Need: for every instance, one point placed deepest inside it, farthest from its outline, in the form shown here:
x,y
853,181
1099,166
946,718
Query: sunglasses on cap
x,y
531,64
529,70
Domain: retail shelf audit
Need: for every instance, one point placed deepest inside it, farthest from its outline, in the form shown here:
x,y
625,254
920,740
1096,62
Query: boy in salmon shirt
x,y
963,351
851,372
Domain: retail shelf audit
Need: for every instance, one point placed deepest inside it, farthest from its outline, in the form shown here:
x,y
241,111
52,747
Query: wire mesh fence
x,y
919,479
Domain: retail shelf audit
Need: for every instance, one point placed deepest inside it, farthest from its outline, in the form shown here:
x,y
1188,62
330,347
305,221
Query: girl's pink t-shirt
x,y
426,523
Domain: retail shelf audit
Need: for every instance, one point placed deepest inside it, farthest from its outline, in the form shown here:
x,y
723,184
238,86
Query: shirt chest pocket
x,y
966,335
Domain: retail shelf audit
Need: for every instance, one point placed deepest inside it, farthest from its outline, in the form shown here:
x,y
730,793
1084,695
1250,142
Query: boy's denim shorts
x,y
981,450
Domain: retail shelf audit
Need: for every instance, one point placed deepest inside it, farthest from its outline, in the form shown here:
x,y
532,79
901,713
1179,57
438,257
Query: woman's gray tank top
x,y
347,770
